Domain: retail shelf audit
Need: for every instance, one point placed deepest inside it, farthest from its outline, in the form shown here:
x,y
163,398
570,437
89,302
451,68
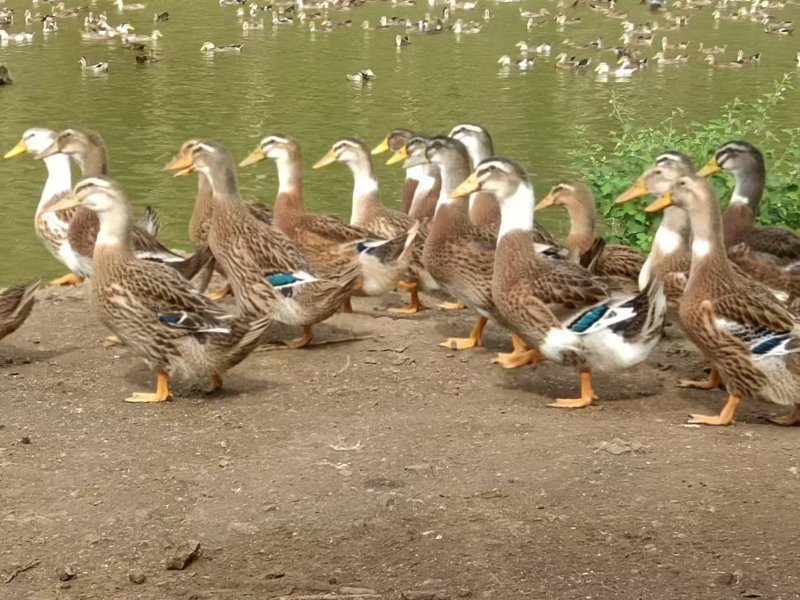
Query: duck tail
x,y
255,330
150,221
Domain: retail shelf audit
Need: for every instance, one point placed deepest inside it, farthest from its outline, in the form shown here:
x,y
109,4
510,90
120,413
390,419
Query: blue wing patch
x,y
767,345
279,279
589,318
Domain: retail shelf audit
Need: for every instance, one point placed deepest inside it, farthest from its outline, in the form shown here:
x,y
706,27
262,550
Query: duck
x,y
51,228
5,78
469,28
266,271
560,310
15,305
253,26
151,308
615,260
562,62
121,6
749,338
401,41
429,178
327,243
19,37
142,39
714,62
660,59
210,47
621,72
160,17
361,76
88,150
369,213
746,163
483,207
97,68
146,59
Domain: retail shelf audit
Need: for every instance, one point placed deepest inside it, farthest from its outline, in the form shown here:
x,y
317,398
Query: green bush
x,y
608,172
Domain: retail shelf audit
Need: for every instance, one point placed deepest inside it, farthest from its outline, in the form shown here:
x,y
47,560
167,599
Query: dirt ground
x,y
386,464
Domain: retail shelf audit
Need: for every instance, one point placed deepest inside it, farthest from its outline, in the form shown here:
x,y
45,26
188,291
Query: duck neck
x,y
225,187
581,228
708,245
365,189
93,161
114,237
749,186
672,237
59,178
516,211
453,174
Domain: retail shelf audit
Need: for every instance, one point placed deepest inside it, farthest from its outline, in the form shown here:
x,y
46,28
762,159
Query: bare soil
x,y
387,464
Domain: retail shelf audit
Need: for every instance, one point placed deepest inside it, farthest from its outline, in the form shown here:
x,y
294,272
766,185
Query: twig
x,y
317,344
22,569
343,369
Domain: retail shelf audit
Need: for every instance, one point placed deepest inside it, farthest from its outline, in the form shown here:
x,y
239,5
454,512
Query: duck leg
x,y
415,306
711,383
347,306
160,395
302,341
216,383
457,305
725,417
475,337
520,357
219,294
788,420
68,279
587,394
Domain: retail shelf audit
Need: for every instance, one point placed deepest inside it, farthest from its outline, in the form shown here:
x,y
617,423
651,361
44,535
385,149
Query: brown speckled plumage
x,y
15,306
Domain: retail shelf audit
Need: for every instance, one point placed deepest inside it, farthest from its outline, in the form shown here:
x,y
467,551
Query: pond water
x,y
292,81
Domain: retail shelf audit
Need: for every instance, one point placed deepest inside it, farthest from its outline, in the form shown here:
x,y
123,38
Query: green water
x,y
291,81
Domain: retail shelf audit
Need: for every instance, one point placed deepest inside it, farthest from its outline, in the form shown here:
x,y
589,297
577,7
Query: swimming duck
x,y
421,182
329,245
750,339
621,72
142,39
88,150
15,306
660,59
160,17
267,273
121,6
401,40
558,308
746,163
151,308
5,78
253,26
369,213
615,260
562,62
97,68
19,37
361,76
228,49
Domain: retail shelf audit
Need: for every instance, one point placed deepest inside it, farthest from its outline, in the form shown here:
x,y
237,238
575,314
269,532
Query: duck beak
x,y
381,148
51,150
329,158
398,156
469,185
637,190
20,148
548,200
711,167
181,164
66,202
660,203
254,157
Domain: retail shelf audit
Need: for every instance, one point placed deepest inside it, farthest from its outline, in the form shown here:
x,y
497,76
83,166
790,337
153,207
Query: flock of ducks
x,y
466,228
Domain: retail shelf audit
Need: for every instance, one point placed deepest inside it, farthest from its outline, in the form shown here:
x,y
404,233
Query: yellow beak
x,y
469,185
329,158
382,147
20,148
66,202
255,156
548,200
659,203
181,164
710,168
398,156
637,190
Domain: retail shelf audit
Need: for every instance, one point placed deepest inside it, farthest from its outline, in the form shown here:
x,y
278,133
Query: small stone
x,y
275,574
137,577
355,591
723,578
751,594
370,361
183,556
65,573
26,439
463,593
420,469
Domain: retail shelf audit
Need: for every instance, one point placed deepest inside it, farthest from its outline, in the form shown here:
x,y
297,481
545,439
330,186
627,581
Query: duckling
x,y
750,339
615,260
151,308
15,306
229,49
590,328
97,68
267,273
